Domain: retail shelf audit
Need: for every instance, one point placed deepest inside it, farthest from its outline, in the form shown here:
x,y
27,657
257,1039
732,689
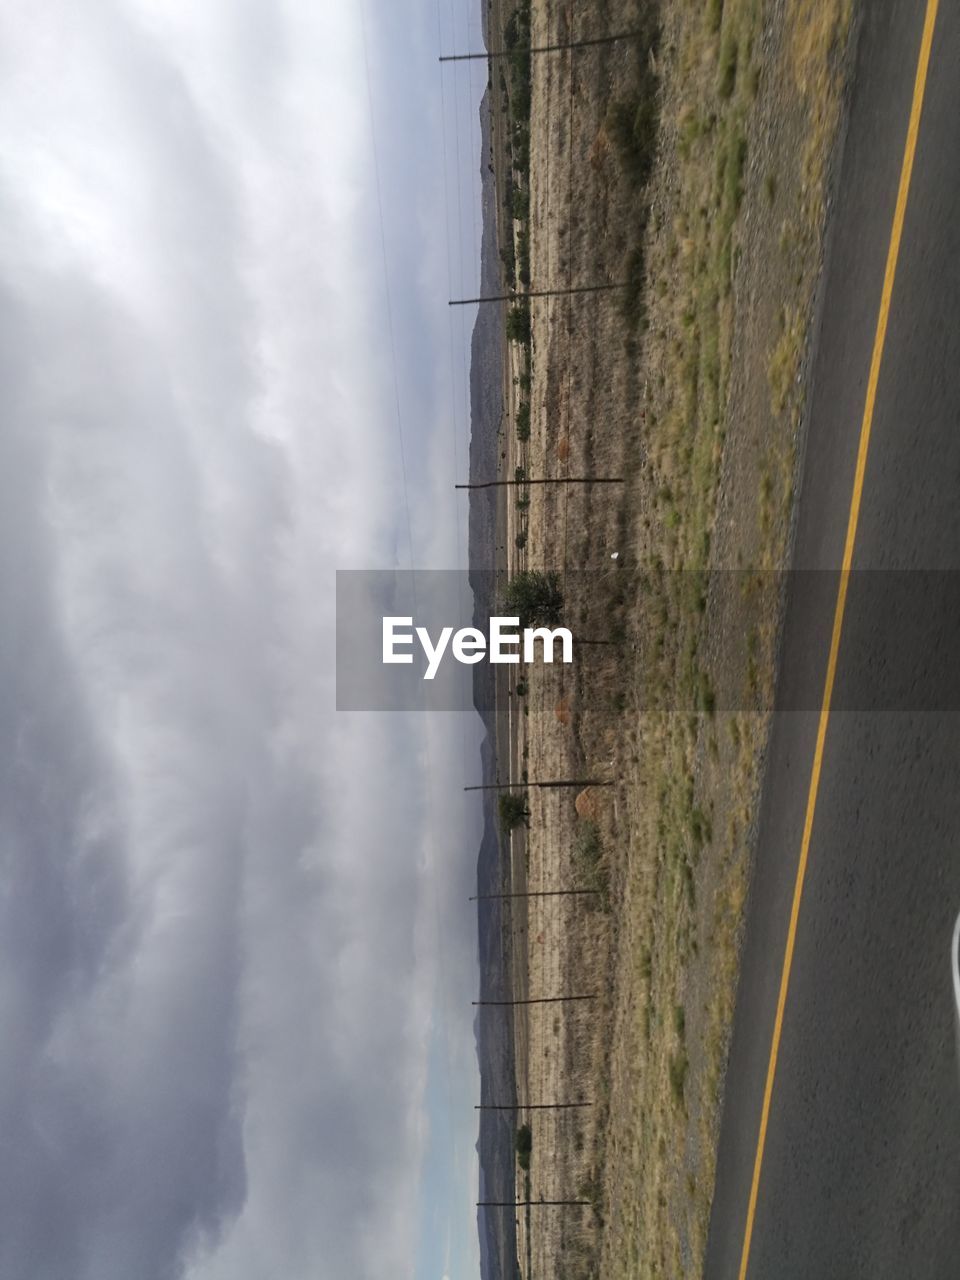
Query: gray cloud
x,y
220,903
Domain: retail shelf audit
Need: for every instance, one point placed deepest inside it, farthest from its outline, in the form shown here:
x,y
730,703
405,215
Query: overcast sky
x,y
236,958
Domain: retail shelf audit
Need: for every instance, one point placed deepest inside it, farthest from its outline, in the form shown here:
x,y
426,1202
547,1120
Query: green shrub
x,y
678,1074
588,860
523,256
632,304
736,161
535,598
632,124
523,421
727,70
513,811
509,260
520,204
518,323
524,1146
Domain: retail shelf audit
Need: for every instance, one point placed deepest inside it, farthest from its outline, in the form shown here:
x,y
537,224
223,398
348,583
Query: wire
x,y
386,285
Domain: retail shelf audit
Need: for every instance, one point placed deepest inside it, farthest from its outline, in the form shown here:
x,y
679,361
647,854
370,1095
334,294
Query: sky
x,y
236,956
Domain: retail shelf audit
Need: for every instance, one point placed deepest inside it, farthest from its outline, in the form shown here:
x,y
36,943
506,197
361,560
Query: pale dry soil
x,y
699,407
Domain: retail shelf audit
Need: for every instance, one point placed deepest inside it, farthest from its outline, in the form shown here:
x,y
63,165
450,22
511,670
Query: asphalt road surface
x,y
859,1173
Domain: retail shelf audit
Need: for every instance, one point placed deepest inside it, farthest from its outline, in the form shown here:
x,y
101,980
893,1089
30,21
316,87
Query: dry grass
x,y
693,394
681,922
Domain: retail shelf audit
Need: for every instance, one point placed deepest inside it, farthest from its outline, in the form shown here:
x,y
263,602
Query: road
x,y
859,1169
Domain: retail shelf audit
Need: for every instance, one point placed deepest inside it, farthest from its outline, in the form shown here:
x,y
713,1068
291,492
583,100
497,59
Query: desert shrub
x,y
632,124
524,1146
523,421
589,862
518,323
534,596
632,305
523,257
513,810
727,69
520,204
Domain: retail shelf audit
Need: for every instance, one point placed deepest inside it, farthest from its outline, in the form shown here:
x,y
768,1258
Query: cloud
x,y
219,901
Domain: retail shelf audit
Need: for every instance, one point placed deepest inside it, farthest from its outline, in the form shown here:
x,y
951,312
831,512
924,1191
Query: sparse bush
x,y
727,71
701,827
523,256
520,204
518,323
509,260
520,151
632,301
736,160
633,124
524,1146
535,598
516,39
513,811
589,862
523,421
678,1074
591,1189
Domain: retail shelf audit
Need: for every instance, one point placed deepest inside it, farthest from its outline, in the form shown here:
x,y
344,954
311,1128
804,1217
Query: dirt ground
x,y
689,388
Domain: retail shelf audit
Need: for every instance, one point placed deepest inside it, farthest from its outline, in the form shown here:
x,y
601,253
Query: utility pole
x,y
530,1106
537,1000
559,782
537,893
511,1204
512,484
514,296
542,48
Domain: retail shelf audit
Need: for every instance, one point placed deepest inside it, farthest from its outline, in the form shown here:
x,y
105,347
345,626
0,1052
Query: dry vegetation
x,y
695,163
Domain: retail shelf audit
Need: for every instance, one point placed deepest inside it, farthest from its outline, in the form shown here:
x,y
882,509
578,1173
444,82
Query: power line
x,y
386,283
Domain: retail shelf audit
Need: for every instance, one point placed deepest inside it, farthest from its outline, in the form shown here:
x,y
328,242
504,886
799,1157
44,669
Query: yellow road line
x,y
866,427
